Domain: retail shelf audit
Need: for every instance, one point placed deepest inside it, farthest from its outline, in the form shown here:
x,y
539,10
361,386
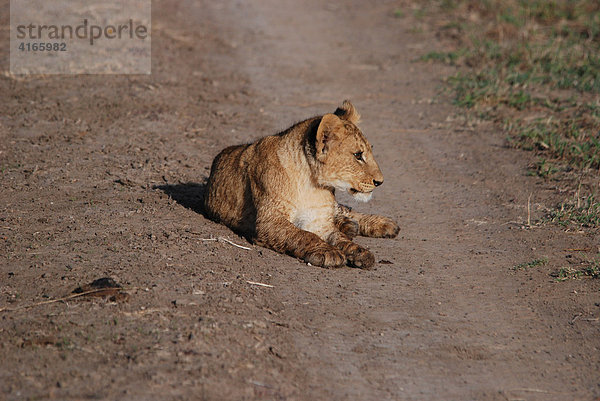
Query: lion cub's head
x,y
344,156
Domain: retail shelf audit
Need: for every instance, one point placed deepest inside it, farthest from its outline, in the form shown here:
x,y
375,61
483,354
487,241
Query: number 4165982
x,y
43,47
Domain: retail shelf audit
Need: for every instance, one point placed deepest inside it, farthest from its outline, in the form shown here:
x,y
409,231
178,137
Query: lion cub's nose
x,y
377,183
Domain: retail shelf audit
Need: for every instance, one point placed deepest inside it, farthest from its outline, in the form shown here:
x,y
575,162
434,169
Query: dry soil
x,y
101,177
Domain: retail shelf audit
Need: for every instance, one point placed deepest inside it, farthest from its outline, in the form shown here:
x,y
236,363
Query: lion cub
x,y
280,190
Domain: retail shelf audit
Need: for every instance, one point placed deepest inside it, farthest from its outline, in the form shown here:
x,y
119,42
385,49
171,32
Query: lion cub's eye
x,y
358,155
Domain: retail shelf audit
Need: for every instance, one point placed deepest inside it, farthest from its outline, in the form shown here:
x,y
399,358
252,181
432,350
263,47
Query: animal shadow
x,y
189,195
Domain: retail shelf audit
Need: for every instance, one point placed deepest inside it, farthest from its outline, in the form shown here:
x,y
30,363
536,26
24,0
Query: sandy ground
x,y
101,176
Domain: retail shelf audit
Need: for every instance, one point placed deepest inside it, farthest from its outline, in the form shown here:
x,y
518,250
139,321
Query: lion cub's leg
x,y
369,225
279,234
372,225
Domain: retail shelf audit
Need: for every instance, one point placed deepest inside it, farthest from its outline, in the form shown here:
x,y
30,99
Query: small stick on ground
x,y
575,318
529,211
222,239
260,284
234,244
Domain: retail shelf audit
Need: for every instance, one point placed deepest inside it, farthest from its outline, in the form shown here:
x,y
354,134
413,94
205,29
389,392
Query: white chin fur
x,y
362,196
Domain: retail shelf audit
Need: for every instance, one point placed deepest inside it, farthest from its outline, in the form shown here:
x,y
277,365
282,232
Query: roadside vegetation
x,y
533,67
582,266
529,265
568,273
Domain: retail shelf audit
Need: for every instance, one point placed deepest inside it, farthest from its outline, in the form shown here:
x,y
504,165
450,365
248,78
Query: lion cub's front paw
x,y
389,229
360,257
326,258
382,228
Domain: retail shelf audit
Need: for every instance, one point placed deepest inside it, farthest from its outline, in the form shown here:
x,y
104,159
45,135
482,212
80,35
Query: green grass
x,y
534,67
567,141
65,344
445,57
543,168
529,265
582,213
569,273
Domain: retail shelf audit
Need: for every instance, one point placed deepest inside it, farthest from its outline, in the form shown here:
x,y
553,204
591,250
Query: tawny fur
x,y
280,190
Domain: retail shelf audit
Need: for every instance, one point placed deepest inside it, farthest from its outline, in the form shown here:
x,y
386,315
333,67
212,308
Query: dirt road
x,y
101,176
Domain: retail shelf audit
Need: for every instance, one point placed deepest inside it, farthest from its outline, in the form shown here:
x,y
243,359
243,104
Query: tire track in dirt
x,y
446,320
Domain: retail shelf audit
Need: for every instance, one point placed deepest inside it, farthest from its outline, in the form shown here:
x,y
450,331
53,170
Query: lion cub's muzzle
x,y
364,192
367,186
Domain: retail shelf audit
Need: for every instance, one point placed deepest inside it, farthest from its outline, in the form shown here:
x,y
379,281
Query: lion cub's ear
x,y
327,133
347,112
